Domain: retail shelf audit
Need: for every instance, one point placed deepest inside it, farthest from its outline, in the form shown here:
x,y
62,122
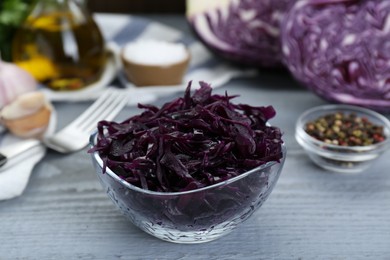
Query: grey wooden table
x,y
311,214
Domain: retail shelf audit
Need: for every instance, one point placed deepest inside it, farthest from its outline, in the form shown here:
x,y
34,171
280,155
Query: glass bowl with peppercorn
x,y
343,138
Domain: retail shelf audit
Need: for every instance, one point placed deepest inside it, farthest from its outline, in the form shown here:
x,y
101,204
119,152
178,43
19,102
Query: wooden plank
x,y
311,214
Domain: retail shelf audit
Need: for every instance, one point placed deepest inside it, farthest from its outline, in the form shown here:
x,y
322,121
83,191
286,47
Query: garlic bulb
x,y
28,115
14,81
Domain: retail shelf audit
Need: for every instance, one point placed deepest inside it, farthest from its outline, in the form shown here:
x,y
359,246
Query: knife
x,y
13,150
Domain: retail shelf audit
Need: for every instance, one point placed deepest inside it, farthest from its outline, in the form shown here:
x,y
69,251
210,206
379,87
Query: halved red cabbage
x,y
243,31
189,143
340,49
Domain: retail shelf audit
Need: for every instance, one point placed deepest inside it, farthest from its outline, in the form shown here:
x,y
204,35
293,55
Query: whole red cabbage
x,y
244,31
192,142
340,49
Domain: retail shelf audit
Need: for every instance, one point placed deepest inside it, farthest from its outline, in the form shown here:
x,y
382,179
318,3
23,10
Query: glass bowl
x,y
194,216
337,158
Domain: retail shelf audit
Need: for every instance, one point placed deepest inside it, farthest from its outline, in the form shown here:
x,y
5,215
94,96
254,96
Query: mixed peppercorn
x,y
345,129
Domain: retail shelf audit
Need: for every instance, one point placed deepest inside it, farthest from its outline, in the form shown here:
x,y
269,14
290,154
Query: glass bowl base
x,y
187,237
336,165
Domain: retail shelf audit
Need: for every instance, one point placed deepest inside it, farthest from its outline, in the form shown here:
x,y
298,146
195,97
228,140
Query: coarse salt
x,y
153,52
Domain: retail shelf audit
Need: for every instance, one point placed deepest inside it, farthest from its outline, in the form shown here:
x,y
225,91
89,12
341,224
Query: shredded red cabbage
x,y
192,142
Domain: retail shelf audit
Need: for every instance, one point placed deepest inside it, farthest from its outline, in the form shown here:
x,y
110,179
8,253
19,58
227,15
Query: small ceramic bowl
x,y
155,63
339,158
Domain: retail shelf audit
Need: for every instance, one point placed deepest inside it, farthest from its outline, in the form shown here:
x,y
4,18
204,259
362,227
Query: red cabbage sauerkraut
x,y
192,142
340,49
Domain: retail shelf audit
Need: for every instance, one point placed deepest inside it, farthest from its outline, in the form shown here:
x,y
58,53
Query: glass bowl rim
x,y
309,140
99,160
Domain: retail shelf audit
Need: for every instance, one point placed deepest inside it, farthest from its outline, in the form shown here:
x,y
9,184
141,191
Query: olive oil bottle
x,y
60,45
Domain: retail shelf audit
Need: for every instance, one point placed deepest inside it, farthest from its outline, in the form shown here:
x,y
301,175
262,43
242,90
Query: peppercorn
x,y
345,129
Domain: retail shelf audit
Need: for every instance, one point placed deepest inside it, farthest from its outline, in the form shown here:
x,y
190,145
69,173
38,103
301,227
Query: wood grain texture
x,y
311,214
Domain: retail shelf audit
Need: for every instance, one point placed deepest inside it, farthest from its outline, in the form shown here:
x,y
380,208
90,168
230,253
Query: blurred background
x,y
13,12
137,6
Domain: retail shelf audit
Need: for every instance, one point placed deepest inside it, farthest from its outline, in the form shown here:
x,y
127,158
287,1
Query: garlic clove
x,y
27,116
14,81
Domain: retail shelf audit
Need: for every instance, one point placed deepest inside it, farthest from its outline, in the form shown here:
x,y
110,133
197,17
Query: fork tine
x,y
99,111
117,101
93,108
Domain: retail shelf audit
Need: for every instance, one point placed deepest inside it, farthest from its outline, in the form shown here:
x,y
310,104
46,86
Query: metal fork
x,y
75,136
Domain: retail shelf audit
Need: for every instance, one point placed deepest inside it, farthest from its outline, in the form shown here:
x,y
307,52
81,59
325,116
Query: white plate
x,y
216,74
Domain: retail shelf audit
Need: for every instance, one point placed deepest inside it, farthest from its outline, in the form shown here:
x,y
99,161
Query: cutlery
x,y
75,136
